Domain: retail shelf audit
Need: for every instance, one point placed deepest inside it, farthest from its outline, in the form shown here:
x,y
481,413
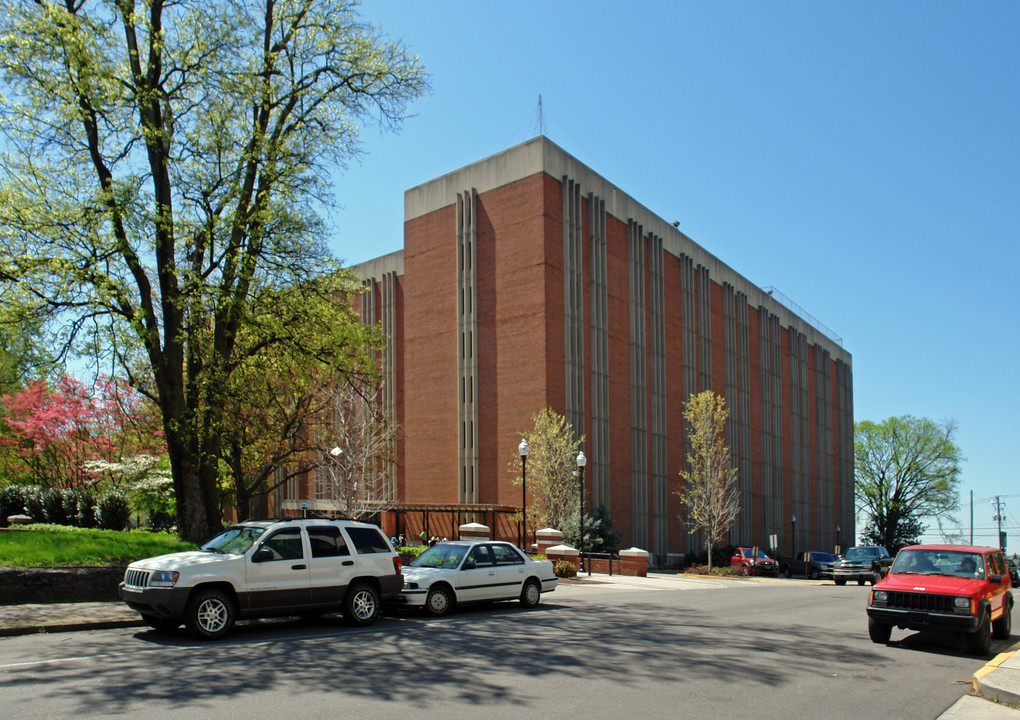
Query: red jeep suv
x,y
945,588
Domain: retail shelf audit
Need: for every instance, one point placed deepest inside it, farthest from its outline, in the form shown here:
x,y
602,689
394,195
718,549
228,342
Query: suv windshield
x,y
234,541
441,556
940,562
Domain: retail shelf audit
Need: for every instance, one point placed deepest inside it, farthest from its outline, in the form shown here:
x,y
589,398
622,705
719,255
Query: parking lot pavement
x,y
996,685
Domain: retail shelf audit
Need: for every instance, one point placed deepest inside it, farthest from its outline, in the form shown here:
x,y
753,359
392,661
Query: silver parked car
x,y
470,571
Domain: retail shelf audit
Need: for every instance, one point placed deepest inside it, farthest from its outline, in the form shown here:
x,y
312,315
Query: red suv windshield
x,y
921,561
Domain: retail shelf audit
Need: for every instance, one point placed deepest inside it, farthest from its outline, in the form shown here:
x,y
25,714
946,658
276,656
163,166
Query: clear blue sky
x,y
863,158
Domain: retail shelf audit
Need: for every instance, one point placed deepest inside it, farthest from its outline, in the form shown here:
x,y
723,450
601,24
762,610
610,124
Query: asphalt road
x,y
696,649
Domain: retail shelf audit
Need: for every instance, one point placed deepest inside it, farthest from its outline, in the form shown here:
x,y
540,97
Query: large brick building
x,y
526,281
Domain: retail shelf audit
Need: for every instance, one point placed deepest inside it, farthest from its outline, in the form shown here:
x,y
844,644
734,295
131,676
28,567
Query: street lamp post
x,y
793,534
523,449
581,462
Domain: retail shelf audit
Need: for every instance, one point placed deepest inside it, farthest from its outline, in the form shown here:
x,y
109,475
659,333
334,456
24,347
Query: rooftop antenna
x,y
541,119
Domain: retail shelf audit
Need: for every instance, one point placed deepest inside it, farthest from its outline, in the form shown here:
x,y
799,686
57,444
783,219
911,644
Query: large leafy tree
x,y
278,397
709,490
163,167
906,470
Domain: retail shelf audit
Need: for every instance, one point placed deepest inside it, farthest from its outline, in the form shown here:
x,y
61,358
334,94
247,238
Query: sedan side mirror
x,y
468,566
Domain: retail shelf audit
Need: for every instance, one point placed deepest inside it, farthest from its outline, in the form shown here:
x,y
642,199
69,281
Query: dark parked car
x,y
865,563
813,564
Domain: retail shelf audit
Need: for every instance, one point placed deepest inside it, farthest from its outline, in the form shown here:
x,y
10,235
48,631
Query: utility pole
x,y
998,519
971,517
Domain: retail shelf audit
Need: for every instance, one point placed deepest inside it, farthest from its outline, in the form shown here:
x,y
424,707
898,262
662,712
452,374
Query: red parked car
x,y
945,588
758,563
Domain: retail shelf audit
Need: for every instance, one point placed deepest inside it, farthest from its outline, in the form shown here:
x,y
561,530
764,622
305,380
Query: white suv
x,y
258,568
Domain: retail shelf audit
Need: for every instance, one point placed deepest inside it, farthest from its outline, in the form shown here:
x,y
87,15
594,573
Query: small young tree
x,y
354,452
709,480
552,479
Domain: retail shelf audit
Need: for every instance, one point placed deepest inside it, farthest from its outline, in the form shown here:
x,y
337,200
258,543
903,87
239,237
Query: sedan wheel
x,y
439,601
530,594
210,614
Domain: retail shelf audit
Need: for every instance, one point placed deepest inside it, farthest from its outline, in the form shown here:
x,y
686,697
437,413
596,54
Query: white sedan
x,y
464,571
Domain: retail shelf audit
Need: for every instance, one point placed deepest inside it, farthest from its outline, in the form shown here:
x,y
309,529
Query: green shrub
x,y
162,520
34,507
12,502
415,550
86,508
565,569
717,570
114,512
54,505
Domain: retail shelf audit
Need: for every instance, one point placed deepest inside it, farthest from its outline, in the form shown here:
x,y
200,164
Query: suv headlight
x,y
164,578
961,604
879,597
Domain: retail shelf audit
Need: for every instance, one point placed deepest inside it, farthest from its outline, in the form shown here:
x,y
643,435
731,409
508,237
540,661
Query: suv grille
x,y
136,578
921,601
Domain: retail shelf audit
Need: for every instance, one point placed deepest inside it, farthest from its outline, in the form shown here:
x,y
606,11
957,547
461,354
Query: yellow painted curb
x,y
992,664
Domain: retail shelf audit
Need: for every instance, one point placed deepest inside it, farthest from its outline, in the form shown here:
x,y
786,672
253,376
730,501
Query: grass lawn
x,y
57,545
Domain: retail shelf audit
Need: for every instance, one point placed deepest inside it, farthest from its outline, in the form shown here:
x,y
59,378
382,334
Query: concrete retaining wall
x,y
59,584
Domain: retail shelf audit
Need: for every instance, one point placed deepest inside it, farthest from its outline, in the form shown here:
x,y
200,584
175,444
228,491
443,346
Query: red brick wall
x,y
514,358
430,357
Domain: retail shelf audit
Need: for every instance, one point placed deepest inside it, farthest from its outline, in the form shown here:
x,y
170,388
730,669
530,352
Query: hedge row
x,y
65,506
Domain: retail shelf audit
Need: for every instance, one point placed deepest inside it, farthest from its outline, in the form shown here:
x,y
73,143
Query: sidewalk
x,y
65,617
997,683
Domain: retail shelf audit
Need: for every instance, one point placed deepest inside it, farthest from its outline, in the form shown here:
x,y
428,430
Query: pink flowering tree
x,y
53,432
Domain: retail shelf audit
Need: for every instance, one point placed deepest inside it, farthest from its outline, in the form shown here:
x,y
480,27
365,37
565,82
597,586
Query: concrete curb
x,y
999,679
68,627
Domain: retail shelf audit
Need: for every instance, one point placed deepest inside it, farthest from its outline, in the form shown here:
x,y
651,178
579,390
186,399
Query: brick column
x,y
634,561
473,531
546,538
562,552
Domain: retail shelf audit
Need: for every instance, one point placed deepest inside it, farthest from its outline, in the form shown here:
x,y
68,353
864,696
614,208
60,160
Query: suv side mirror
x,y
262,554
